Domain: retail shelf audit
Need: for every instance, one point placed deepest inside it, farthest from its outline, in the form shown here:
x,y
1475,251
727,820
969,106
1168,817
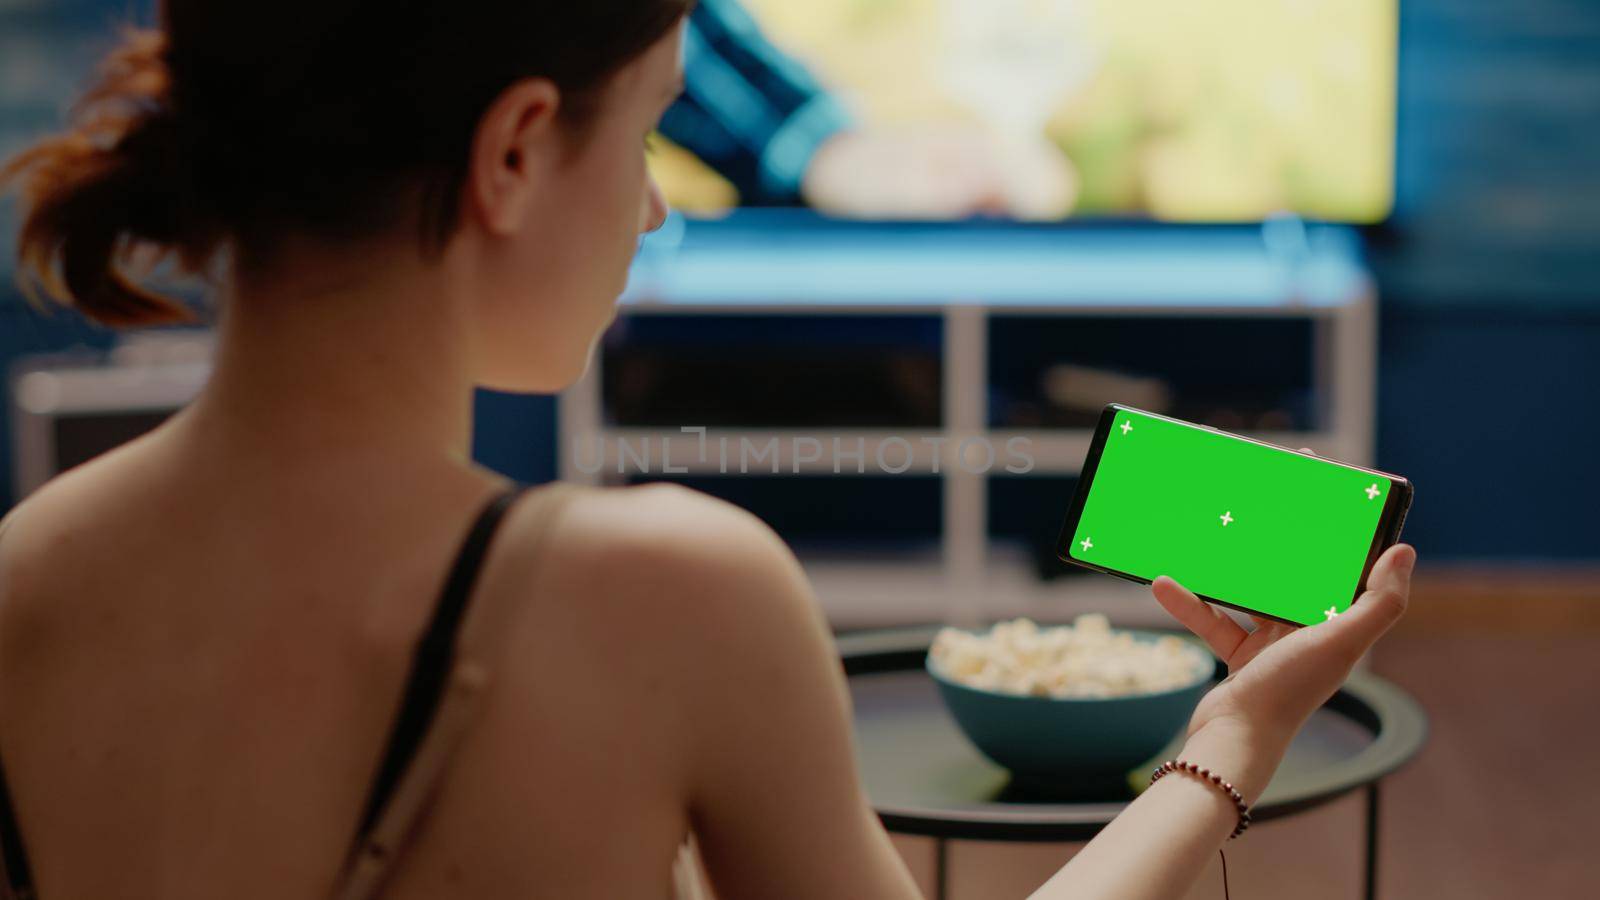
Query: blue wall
x,y
1496,417
1498,165
1490,275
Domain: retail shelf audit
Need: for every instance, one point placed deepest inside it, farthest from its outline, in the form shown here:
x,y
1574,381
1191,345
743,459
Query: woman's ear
x,y
512,154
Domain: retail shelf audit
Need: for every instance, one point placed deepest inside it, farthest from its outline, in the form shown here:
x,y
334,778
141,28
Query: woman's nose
x,y
655,211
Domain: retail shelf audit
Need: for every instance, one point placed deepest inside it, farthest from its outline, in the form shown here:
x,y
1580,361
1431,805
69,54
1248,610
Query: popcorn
x,y
1086,659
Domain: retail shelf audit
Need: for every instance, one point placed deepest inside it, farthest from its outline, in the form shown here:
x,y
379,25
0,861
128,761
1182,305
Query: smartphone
x,y
1242,523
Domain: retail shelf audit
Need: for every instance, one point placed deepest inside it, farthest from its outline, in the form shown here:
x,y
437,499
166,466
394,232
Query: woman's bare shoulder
x,y
44,525
665,604
662,517
712,646
44,542
666,539
671,572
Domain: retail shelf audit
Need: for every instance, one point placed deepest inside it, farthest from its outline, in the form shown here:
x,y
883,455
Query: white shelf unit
x,y
971,580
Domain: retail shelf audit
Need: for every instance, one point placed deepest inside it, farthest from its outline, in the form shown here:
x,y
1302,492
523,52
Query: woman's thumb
x,y
1382,604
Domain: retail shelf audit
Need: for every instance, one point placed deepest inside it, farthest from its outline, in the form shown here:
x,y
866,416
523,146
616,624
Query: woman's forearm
x,y
1162,842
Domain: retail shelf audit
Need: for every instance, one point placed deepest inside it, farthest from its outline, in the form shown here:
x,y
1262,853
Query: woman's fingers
x,y
1352,632
1379,607
1393,570
1232,644
1221,634
1266,634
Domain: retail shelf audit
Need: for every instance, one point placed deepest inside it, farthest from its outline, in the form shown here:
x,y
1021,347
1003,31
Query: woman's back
x,y
199,671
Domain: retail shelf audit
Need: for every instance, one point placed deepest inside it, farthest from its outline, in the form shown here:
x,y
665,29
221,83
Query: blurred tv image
x,y
1222,111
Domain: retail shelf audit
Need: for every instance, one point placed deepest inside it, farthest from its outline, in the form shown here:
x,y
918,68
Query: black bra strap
x,y
431,664
424,686
18,884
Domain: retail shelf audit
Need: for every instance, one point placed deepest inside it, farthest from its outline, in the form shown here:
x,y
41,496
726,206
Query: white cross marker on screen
x,y
1126,427
1372,492
1226,518
1086,544
1330,612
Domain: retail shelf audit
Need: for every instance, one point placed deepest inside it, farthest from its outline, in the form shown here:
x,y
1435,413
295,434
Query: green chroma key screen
x,y
1251,525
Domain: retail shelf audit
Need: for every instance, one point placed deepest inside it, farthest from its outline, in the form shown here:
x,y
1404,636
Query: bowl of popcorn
x,y
1068,704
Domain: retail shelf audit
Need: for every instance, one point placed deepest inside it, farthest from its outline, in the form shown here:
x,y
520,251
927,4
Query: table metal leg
x,y
1372,841
941,859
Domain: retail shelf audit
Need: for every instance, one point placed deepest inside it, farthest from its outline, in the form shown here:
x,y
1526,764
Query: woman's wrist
x,y
1240,755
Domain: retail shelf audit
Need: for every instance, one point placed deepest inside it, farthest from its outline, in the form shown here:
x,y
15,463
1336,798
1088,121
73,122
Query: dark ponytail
x,y
239,123
99,191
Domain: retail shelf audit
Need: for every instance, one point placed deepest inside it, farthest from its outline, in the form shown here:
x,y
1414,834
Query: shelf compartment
x,y
1231,373
769,370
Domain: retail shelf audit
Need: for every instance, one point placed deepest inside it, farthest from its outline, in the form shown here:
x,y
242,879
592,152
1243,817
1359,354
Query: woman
x,y
207,680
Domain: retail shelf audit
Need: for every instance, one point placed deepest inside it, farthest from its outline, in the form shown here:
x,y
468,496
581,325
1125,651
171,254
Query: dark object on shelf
x,y
1070,389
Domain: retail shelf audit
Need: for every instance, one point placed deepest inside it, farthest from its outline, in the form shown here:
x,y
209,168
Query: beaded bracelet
x,y
1179,765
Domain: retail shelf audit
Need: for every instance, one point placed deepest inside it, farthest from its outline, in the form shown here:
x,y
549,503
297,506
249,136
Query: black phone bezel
x,y
1395,506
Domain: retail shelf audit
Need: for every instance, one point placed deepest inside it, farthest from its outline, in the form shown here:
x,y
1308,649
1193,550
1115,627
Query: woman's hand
x,y
1279,674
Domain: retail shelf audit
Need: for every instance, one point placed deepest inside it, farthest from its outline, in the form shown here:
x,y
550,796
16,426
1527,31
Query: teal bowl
x,y
1048,742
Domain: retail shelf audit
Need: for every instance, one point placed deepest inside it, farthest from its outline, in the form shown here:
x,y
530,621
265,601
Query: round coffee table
x,y
924,778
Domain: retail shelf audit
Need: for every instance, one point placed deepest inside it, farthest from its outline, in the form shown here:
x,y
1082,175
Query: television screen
x,y
1172,110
